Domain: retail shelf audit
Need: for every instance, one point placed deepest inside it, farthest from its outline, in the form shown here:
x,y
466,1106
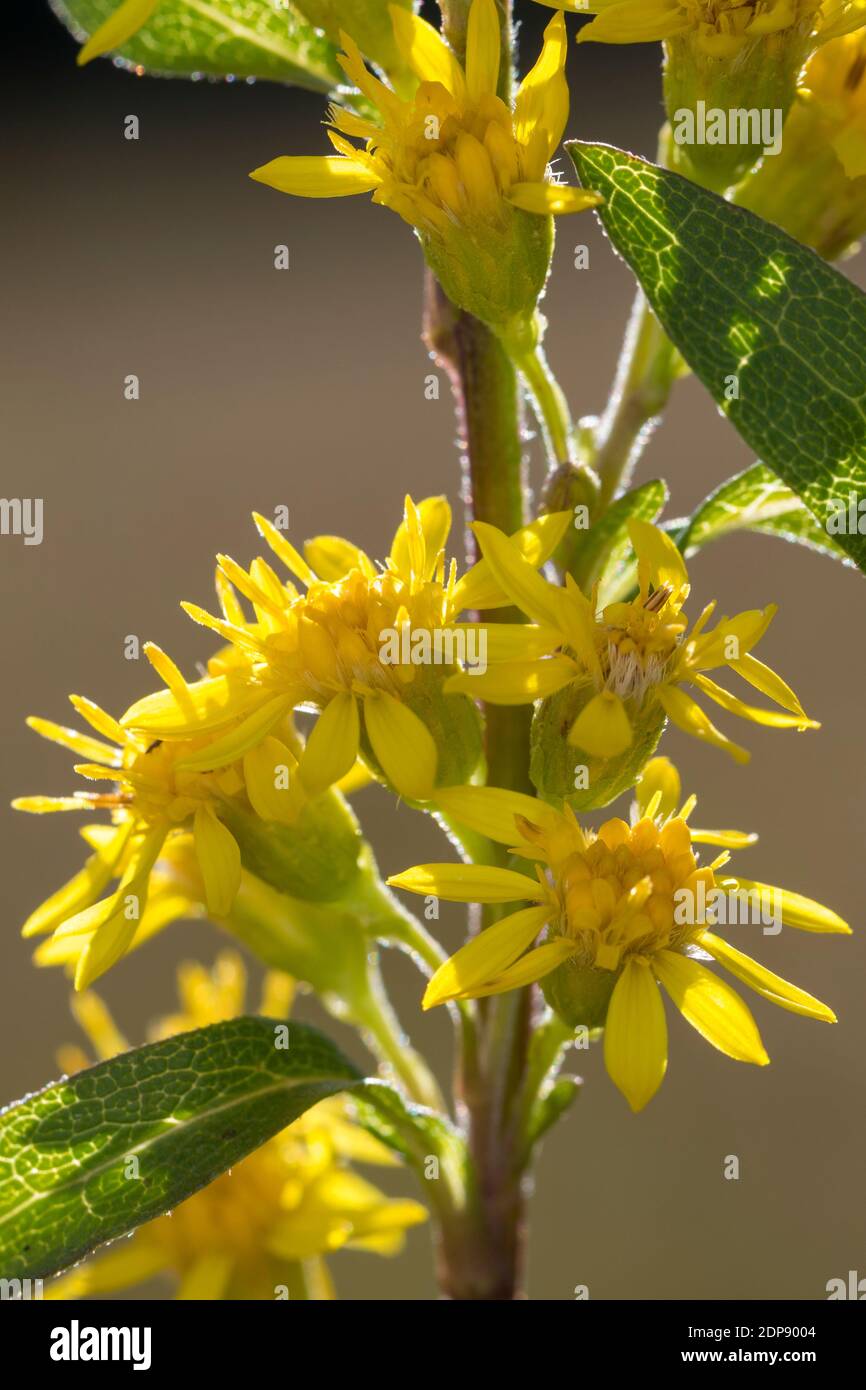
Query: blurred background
x,y
306,388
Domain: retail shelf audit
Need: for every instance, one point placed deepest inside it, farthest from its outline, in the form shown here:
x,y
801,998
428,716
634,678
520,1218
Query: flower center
x,y
616,893
640,638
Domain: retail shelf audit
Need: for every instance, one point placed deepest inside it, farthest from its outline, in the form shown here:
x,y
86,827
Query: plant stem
x,y
551,407
482,1247
386,1039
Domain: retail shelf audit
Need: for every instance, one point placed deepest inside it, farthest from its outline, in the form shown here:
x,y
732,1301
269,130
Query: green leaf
x,y
218,38
187,1109
740,299
756,500
606,554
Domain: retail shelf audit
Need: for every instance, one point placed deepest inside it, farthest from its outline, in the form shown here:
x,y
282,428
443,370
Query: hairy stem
x,y
482,1247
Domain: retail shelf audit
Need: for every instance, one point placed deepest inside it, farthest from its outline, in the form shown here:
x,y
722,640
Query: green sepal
x,y
554,761
317,859
579,994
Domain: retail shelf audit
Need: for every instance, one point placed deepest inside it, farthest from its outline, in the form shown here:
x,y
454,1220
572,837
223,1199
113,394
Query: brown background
x,y
307,388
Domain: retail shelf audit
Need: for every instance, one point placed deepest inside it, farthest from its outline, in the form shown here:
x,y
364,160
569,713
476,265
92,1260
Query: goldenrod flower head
x,y
724,59
816,188
625,909
265,1226
156,792
624,668
468,172
338,647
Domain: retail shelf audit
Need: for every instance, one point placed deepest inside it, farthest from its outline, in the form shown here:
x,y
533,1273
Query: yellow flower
x,y
339,648
120,26
729,66
155,793
631,657
625,910
816,188
721,28
260,1231
455,161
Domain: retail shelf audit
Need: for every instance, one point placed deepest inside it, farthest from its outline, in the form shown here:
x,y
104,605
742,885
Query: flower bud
x,y
562,771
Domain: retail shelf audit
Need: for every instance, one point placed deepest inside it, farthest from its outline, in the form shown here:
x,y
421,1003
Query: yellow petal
x,y
482,49
433,519
536,543
237,741
767,681
636,1035
219,860
213,703
552,199
114,923
485,957
332,746
505,642
742,632
661,780
627,22
795,910
83,744
40,805
602,728
316,176
655,547
98,719
492,811
332,558
759,978
126,21
772,718
726,839
515,682
682,711
518,578
711,1007
542,98
469,883
531,967
403,746
426,53
270,770
283,549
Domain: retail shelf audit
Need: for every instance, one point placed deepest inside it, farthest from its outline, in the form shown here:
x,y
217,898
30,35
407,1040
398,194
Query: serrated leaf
x,y
218,38
187,1109
740,299
756,500
606,554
